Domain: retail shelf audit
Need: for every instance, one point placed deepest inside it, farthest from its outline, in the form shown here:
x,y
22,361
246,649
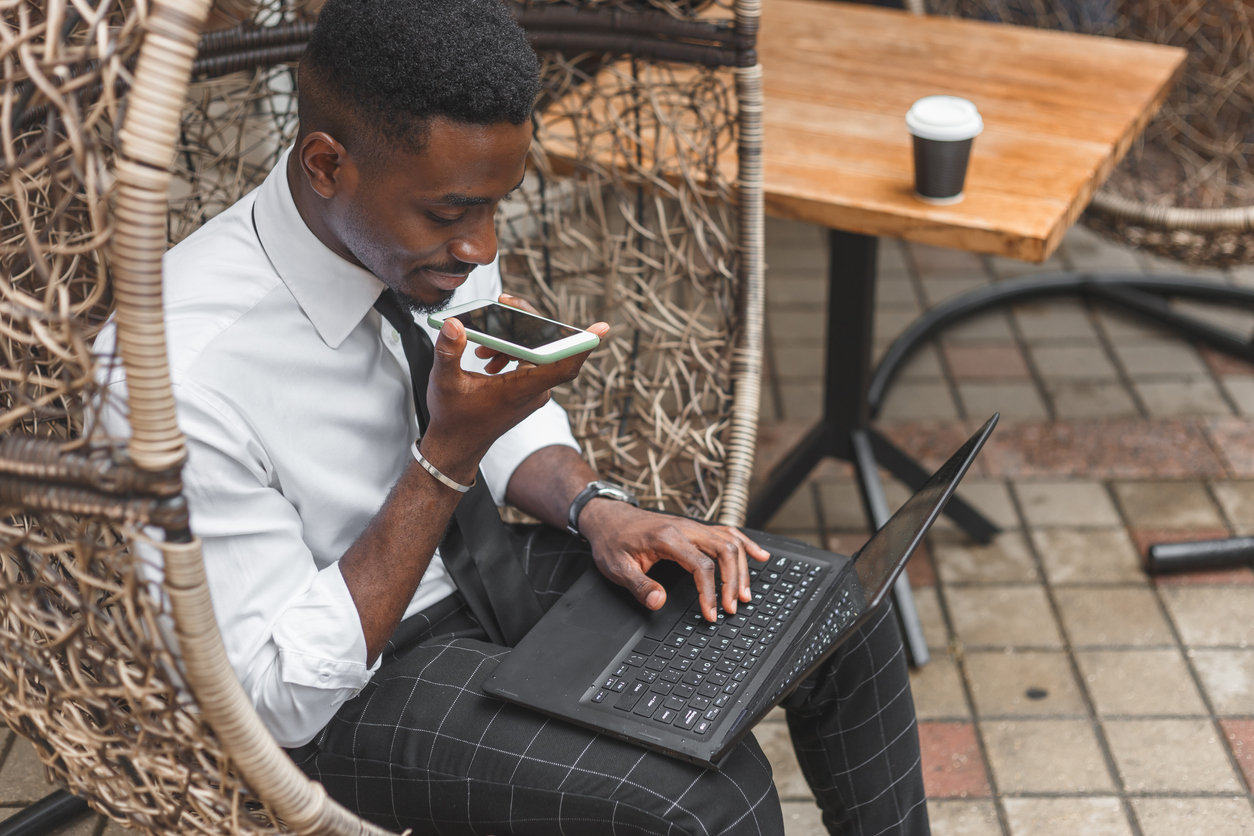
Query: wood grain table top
x,y
1059,109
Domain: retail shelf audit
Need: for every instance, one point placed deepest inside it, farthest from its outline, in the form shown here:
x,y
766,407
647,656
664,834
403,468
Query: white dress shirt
x,y
294,394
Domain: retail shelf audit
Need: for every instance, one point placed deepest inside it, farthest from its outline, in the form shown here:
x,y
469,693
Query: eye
x,y
444,219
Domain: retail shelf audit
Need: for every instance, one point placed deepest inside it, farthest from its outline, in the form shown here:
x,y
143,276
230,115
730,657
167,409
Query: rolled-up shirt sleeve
x,y
290,627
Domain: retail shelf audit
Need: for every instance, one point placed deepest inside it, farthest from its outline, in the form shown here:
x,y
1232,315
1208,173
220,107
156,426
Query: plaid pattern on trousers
x,y
423,747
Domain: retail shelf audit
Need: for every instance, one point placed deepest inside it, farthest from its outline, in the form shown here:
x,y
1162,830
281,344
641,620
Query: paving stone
x,y
986,362
892,259
1240,737
896,291
1235,443
1223,364
1112,617
777,745
1228,677
932,261
842,505
791,326
952,766
1194,816
924,364
792,289
796,512
1170,756
1241,391
927,603
1167,505
84,824
1073,362
803,818
1091,400
1237,501
793,362
960,560
1212,616
798,260
937,690
940,289
909,401
890,322
952,817
22,778
1023,684
992,499
1056,321
1003,616
802,401
1015,401
983,328
1140,682
1101,816
1071,504
1054,756
1160,357
920,571
1173,398
1087,251
1121,327
1087,556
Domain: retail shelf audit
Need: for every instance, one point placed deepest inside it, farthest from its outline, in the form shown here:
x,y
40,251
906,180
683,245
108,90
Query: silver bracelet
x,y
444,480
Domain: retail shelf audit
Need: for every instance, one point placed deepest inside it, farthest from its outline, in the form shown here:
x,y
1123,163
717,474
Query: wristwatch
x,y
592,491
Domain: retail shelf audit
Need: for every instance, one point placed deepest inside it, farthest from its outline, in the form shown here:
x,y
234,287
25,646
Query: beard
x,y
420,308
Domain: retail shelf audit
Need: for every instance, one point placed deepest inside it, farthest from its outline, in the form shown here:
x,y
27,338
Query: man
x,y
322,495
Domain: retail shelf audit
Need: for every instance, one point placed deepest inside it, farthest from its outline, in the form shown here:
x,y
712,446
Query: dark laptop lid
x,y
881,558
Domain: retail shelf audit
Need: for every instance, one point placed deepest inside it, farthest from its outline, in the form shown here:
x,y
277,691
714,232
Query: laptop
x,y
673,682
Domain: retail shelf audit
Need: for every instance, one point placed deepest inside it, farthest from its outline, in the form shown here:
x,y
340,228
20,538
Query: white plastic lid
x,y
947,118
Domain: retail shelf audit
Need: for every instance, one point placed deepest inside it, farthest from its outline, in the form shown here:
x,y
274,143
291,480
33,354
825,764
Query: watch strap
x,y
591,491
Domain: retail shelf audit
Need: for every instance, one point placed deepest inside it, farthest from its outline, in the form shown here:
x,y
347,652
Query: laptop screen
x,y
877,561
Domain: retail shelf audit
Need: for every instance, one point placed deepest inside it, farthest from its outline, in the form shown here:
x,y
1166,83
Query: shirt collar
x,y
335,294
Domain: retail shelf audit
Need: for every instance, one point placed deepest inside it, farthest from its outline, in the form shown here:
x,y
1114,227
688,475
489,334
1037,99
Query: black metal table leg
x,y
44,816
844,430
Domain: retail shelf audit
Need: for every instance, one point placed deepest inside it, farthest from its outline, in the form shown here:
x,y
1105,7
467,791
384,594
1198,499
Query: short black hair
x,y
393,65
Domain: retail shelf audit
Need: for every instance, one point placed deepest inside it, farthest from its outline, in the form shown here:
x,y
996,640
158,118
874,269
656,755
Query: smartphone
x,y
517,333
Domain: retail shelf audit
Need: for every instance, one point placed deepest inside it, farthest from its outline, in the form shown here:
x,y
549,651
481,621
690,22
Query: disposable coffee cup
x,y
943,128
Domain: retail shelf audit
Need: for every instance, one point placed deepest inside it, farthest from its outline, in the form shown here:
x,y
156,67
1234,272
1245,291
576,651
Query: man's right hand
x,y
470,411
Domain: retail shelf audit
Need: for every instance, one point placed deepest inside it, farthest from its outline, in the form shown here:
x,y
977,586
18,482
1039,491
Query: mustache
x,y
448,268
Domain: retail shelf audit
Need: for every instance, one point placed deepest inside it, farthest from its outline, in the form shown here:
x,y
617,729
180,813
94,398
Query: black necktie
x,y
477,549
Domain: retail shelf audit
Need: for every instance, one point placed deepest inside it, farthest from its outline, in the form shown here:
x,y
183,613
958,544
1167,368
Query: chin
x,y
422,308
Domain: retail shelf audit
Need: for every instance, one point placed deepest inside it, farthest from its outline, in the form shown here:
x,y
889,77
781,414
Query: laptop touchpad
x,y
607,611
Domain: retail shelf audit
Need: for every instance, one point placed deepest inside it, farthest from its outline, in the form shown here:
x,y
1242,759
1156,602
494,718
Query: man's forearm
x,y
547,482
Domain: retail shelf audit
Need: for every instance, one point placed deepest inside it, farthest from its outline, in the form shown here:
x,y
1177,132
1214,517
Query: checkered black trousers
x,y
423,747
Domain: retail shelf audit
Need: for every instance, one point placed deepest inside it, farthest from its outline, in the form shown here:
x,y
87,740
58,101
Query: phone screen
x,y
515,326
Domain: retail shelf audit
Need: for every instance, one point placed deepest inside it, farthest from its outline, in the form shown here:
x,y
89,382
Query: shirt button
x,y
324,675
396,336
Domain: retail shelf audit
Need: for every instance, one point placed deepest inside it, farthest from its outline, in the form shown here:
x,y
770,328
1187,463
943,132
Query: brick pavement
x,y
1068,693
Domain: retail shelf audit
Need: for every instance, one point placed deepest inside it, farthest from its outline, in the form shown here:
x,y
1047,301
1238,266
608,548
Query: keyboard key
x,y
761,586
700,702
722,700
645,647
728,631
757,651
681,664
687,718
702,727
776,598
726,666
622,669
719,679
655,665
671,676
674,703
690,652
699,641
601,695
780,564
692,678
712,714
675,640
709,690
720,643
730,687
646,676
661,687
743,642
734,653
738,620
702,666
711,654
648,705
666,715
621,686
665,653
628,699
683,691
635,660
739,675
707,628
610,683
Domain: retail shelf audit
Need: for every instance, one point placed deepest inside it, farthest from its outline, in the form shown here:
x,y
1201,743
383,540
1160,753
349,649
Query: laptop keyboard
x,y
686,680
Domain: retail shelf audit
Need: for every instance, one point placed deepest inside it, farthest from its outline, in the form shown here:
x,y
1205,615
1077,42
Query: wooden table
x,y
1059,110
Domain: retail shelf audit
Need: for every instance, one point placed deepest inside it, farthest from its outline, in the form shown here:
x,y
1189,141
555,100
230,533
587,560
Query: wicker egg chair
x,y
1184,191
125,126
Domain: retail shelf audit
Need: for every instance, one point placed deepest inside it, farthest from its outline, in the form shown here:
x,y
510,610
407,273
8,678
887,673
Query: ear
x,y
326,164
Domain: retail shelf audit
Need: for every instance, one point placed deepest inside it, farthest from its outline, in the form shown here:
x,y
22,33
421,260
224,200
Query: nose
x,y
477,243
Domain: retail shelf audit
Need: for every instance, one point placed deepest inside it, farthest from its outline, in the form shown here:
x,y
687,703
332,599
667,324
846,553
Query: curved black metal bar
x,y
1141,294
44,816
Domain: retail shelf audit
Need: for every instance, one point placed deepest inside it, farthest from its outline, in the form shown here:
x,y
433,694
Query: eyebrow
x,y
455,199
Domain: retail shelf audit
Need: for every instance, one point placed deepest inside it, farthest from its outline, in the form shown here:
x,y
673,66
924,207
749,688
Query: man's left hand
x,y
627,542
